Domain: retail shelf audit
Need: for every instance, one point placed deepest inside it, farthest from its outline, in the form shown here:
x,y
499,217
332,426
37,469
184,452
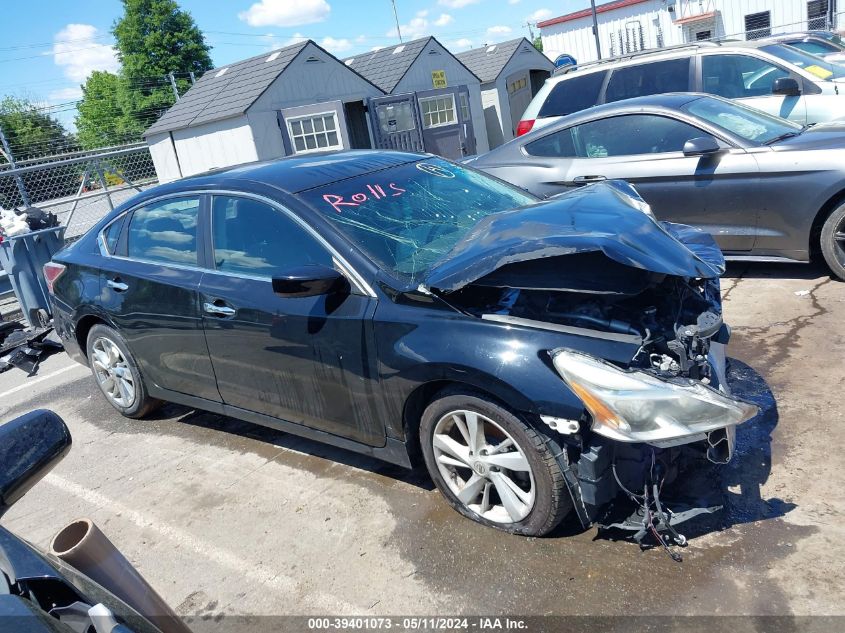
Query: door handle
x,y
116,285
584,180
216,310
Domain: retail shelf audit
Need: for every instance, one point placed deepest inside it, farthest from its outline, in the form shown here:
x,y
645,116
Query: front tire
x,y
117,373
833,242
491,466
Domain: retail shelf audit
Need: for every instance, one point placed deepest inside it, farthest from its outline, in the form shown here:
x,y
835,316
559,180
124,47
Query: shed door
x,y
396,122
446,122
319,127
519,96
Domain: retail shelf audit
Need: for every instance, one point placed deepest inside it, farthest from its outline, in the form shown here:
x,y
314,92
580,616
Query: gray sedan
x,y
764,187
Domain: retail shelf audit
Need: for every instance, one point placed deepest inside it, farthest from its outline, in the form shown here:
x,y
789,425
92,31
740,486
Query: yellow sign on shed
x,y
438,78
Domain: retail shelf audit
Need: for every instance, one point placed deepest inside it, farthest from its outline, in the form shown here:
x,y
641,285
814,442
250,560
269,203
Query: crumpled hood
x,y
609,217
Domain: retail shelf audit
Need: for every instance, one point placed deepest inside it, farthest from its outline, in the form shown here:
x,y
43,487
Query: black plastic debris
x,y
24,348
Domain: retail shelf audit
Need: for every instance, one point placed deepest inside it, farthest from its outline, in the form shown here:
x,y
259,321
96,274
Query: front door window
x,y
438,110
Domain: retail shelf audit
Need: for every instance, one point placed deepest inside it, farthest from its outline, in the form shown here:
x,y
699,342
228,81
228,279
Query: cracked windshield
x,y
406,218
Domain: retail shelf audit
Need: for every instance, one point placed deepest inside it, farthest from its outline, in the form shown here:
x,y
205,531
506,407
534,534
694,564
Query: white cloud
x,y
360,39
461,44
285,12
79,54
334,45
416,28
64,95
538,15
513,1
443,20
499,30
274,43
456,4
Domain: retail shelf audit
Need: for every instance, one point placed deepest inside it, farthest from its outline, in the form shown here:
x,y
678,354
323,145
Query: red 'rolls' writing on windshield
x,y
374,192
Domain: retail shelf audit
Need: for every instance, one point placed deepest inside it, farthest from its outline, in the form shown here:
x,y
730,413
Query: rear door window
x,y
573,95
671,75
165,232
559,145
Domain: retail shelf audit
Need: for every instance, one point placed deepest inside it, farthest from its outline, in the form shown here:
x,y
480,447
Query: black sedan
x,y
404,306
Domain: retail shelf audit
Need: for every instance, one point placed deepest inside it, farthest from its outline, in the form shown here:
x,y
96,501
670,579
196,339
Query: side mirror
x,y
702,146
786,86
29,448
310,281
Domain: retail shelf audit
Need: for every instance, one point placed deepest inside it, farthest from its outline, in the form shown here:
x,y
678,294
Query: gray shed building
x,y
511,73
434,101
295,100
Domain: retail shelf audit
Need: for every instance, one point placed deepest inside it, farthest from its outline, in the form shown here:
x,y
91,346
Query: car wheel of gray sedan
x,y
491,466
117,374
833,242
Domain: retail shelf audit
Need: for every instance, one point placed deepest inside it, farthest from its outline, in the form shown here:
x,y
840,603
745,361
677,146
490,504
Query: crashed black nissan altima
x,y
406,307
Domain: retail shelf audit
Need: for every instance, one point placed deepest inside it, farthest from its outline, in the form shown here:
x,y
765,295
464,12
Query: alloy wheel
x,y
483,466
113,373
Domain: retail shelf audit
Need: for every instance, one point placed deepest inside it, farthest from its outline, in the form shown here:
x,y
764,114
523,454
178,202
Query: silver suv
x,y
772,77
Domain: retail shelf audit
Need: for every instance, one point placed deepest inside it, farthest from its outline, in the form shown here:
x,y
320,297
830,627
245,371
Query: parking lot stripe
x,y
283,585
29,383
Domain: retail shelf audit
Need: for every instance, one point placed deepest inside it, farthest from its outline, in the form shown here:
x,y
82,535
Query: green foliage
x,y
153,38
102,121
538,43
30,132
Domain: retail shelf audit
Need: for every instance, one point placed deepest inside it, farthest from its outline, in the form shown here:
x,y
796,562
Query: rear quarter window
x,y
671,75
573,95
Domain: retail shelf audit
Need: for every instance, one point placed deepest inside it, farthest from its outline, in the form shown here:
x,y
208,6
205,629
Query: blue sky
x,y
50,46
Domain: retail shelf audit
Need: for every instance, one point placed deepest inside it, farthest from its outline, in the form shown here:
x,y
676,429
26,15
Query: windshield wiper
x,y
785,135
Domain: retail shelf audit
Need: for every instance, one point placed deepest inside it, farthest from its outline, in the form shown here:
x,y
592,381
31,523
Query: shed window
x,y
464,106
438,111
314,133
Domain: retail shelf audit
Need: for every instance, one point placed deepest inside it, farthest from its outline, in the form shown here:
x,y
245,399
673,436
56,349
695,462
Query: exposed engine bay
x,y
673,318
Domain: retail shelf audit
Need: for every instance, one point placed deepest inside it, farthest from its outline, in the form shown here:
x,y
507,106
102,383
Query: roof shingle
x,y
488,62
218,96
386,66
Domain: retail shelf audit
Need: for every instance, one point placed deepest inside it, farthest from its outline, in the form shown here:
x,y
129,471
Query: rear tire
x,y
833,242
116,373
491,466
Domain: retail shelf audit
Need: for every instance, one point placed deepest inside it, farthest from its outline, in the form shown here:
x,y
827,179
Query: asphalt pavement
x,y
227,519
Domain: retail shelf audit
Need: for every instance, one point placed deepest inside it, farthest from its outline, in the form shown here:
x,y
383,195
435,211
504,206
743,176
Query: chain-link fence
x,y
79,188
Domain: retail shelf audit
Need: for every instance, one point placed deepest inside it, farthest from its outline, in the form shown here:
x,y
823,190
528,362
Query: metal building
x,y
511,73
294,100
434,101
626,26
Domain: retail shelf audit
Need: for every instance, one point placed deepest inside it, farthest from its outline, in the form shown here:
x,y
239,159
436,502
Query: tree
x,y
31,132
538,43
154,38
101,121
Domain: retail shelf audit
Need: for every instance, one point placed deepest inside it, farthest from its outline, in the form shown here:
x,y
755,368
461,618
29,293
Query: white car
x,y
776,78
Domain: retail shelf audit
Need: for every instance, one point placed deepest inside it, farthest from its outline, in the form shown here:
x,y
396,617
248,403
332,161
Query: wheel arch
x,y
833,203
83,327
425,393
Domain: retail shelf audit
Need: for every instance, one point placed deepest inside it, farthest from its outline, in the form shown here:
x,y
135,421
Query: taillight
x,y
524,126
52,271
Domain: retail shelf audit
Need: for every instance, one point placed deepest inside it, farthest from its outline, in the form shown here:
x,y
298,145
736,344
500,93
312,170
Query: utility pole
x,y
193,79
396,17
7,152
173,85
596,28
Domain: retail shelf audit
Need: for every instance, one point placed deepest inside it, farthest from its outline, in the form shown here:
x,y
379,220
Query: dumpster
x,y
23,257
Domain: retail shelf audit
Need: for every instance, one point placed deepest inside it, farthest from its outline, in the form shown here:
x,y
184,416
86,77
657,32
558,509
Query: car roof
x,y
296,173
659,54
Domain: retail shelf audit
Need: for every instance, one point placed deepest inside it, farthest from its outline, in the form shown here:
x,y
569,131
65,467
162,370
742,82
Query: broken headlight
x,y
633,406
